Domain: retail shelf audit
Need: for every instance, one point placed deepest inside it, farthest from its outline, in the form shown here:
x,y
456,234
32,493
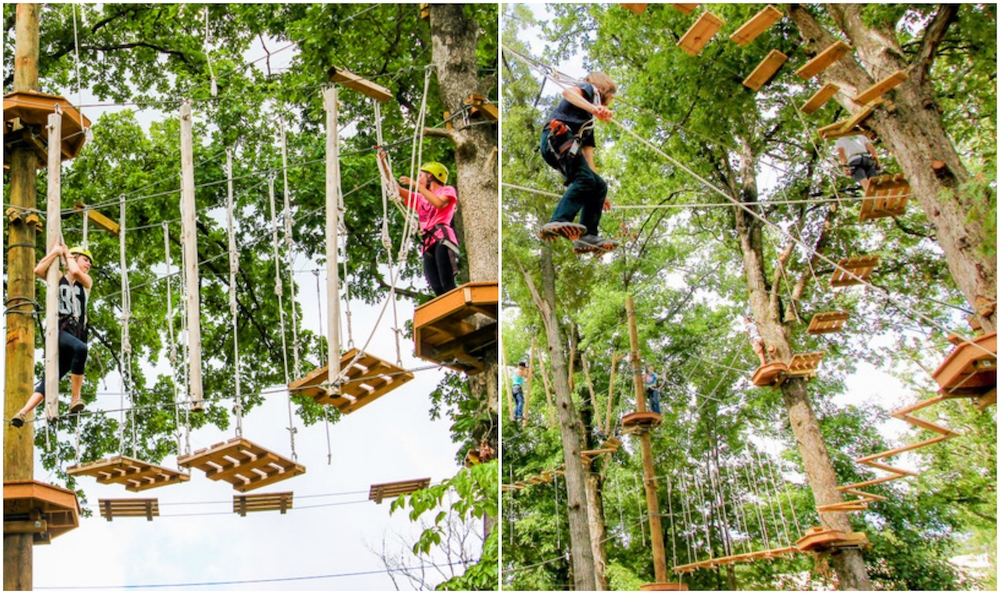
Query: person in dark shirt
x,y
567,145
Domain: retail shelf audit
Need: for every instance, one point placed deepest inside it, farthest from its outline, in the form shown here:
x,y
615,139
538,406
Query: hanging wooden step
x,y
242,463
765,70
733,559
970,369
886,196
365,87
136,475
818,538
98,219
365,380
243,504
859,266
819,99
827,322
635,8
129,508
881,87
443,332
757,24
804,364
663,587
771,374
685,8
640,421
26,119
390,490
823,60
45,511
700,33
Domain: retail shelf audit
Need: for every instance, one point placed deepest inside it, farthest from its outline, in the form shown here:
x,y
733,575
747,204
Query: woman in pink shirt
x,y
435,205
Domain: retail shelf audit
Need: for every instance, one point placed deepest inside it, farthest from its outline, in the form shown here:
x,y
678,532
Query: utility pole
x,y
648,472
18,454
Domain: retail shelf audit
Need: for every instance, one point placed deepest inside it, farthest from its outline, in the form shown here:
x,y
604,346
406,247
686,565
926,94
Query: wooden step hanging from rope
x,y
804,364
244,504
881,87
885,196
45,511
136,475
26,118
241,463
970,369
823,60
365,380
365,87
827,322
859,266
765,70
732,559
129,508
818,539
700,33
685,8
819,98
443,332
389,490
757,24
635,8
772,374
98,219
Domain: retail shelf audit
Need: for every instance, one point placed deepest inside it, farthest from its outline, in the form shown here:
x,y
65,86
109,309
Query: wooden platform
x,y
640,421
365,380
42,510
244,504
136,475
636,8
700,33
859,266
757,24
821,539
663,587
443,332
390,490
26,113
823,60
243,464
765,70
804,364
881,87
481,106
771,374
98,219
365,87
886,196
819,98
732,559
827,322
129,508
970,369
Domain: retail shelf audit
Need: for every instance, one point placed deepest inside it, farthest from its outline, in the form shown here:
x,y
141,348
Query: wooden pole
x,y
611,393
18,453
332,229
53,235
648,471
189,239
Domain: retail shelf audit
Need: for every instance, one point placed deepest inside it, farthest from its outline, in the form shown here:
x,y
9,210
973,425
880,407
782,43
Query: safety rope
x,y
208,56
170,334
287,216
87,134
278,290
186,352
234,266
126,314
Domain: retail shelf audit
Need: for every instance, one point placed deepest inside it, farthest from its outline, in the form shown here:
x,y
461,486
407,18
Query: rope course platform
x,y
663,587
819,98
389,490
757,24
765,70
443,333
700,33
609,446
971,370
42,510
241,463
881,87
635,8
136,475
886,196
821,539
637,422
365,380
129,508
26,113
244,504
859,266
823,60
361,85
98,219
827,322
772,374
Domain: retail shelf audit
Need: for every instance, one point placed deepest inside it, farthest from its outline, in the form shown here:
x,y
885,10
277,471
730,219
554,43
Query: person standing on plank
x,y
857,155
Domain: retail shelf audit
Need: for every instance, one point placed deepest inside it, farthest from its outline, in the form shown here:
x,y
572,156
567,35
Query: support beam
x,y
189,241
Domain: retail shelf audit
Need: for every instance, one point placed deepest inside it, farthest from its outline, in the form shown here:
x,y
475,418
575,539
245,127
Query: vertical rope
x,y
642,525
170,334
88,135
287,216
278,290
126,313
670,512
759,498
334,206
186,351
208,57
234,266
86,226
688,521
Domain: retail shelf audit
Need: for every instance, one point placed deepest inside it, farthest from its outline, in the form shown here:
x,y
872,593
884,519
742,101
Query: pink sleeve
x,y
449,193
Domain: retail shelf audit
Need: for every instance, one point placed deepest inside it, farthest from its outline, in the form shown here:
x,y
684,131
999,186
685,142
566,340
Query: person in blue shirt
x,y
567,146
518,390
652,393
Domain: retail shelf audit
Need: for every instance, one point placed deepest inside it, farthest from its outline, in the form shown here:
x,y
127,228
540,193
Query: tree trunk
x,y
911,128
598,530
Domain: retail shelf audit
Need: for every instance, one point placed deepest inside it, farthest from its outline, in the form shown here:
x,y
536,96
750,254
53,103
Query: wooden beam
x,y
881,87
765,70
363,86
98,219
823,60
700,33
819,99
757,24
852,122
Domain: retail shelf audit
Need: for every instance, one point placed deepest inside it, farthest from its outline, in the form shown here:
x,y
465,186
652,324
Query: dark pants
x,y
653,400
585,190
518,403
440,268
72,357
862,168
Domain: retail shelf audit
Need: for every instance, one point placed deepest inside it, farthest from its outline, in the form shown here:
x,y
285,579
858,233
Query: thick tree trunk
x,y
911,128
598,530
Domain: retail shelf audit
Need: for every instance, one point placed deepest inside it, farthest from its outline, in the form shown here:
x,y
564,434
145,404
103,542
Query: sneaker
x,y
19,420
555,229
76,405
593,244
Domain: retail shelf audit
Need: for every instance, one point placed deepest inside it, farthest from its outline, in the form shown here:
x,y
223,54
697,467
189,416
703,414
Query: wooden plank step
x,y
136,475
244,504
700,33
685,8
366,378
757,24
881,87
819,98
970,369
823,60
804,364
365,87
98,219
129,508
598,452
389,490
859,266
663,587
827,322
818,539
242,463
765,70
635,8
885,196
859,116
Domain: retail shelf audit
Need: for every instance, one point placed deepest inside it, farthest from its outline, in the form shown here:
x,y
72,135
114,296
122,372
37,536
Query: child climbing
x,y
652,392
857,155
567,145
755,339
518,390
74,289
435,204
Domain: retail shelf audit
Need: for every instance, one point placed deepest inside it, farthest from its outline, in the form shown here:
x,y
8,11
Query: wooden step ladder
x,y
136,475
859,266
443,332
885,196
129,508
241,463
366,379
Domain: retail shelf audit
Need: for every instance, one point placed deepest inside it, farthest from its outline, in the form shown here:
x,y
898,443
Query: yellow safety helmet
x,y
81,251
439,171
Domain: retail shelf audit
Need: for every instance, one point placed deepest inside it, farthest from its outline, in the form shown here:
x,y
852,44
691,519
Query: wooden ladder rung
x,y
129,508
244,504
765,70
757,24
881,87
827,322
804,364
860,267
823,60
388,490
700,33
819,98
135,475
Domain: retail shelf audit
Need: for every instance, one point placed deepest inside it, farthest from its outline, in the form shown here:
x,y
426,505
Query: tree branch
x,y
933,36
441,133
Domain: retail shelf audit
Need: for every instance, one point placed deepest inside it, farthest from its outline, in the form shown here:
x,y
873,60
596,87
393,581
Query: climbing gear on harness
x,y
437,170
